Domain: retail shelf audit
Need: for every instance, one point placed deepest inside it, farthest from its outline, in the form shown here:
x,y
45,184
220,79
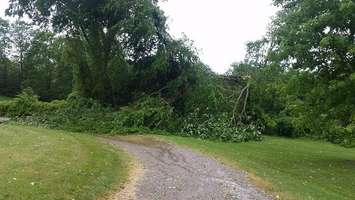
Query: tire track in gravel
x,y
174,173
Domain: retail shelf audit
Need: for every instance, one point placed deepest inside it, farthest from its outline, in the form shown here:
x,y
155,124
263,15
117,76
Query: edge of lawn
x,y
128,162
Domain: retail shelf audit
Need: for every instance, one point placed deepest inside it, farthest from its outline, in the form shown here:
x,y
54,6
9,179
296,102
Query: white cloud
x,y
220,28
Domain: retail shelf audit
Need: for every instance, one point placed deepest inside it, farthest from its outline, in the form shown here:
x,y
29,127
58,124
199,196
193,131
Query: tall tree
x,y
45,69
4,48
303,72
4,38
317,35
7,80
21,36
106,35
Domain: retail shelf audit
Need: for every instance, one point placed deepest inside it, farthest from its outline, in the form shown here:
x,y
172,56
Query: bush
x,y
79,114
27,104
219,127
148,112
87,115
344,135
148,115
4,108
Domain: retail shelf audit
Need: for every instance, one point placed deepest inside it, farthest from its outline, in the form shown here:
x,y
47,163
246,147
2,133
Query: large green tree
x,y
9,82
318,38
303,71
4,50
108,37
317,35
46,70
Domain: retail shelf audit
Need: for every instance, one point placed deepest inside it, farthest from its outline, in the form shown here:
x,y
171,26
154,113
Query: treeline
x,y
302,73
119,64
35,58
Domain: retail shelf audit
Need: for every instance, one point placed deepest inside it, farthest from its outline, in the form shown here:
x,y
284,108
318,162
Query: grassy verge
x,y
3,98
291,169
42,164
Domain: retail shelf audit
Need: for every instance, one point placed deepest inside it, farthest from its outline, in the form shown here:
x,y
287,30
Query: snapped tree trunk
x,y
240,106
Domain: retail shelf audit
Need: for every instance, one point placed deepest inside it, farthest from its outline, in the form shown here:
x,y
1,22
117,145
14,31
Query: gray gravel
x,y
175,173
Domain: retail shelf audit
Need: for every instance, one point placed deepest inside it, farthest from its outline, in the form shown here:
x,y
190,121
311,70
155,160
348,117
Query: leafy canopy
x,y
112,40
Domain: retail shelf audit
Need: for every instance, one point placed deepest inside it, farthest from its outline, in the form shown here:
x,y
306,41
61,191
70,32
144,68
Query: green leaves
x,y
317,34
302,71
110,36
217,126
4,38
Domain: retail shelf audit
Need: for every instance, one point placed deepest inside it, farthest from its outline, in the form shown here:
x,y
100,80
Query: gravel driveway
x,y
175,173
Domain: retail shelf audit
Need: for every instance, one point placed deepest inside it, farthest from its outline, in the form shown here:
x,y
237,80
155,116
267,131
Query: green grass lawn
x,y
42,164
3,98
293,169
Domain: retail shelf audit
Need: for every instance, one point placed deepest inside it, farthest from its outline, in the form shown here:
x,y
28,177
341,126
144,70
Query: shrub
x,y
148,115
87,115
344,135
219,127
148,112
4,108
79,114
27,104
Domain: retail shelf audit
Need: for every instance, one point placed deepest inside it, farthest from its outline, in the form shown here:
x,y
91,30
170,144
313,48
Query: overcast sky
x,y
3,6
219,28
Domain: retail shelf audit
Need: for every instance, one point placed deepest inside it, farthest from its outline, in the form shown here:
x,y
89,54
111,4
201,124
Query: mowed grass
x,y
42,164
3,98
288,168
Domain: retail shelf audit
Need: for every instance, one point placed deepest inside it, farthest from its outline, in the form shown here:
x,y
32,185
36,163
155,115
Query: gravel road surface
x,y
175,173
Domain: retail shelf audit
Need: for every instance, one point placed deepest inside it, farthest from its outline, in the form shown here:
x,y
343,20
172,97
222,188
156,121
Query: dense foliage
x,y
302,72
148,115
33,58
125,73
117,48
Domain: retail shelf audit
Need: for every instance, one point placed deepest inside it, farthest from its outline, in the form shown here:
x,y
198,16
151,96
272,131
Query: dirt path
x,y
174,173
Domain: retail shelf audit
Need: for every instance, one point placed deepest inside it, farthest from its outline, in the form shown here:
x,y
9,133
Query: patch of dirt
x,y
128,192
174,173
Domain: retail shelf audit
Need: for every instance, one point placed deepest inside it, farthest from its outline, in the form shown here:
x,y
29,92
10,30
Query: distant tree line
x,y
35,58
